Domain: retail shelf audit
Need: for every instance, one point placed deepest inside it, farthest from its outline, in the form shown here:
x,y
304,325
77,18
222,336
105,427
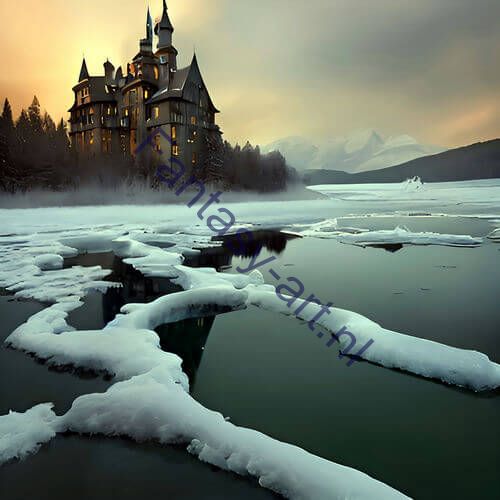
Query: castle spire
x,y
149,27
146,44
164,30
165,21
84,72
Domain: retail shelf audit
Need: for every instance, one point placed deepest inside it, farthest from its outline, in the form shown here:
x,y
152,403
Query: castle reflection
x,y
185,338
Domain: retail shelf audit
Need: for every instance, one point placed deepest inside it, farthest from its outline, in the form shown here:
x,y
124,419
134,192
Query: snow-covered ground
x,y
150,397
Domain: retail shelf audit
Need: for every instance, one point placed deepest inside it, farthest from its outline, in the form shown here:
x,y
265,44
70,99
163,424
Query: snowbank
x,y
391,349
154,402
49,262
31,267
495,235
404,236
22,433
121,352
150,406
195,303
329,229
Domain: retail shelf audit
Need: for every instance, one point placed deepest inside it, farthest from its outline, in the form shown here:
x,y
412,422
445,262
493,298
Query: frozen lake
x,y
268,372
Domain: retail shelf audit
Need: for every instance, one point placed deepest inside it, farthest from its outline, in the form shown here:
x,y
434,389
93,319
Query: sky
x,y
275,68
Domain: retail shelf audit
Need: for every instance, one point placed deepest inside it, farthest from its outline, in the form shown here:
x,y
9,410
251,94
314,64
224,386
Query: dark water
x,y
25,382
270,373
102,469
422,437
99,468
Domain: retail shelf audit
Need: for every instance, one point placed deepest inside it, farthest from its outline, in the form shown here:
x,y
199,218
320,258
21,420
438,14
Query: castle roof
x,y
164,23
178,85
97,90
84,72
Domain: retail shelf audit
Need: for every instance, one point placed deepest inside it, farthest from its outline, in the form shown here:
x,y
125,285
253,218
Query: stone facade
x,y
114,113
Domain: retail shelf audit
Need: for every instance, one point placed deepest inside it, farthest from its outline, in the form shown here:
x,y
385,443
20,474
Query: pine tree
x,y
7,122
35,116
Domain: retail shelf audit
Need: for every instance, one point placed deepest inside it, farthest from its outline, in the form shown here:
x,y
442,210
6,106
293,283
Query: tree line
x,y
35,152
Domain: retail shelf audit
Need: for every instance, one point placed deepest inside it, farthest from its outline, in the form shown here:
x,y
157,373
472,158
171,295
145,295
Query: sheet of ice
x,y
49,262
160,263
31,267
21,434
150,406
194,303
402,235
154,402
482,193
330,229
59,285
121,352
495,235
464,368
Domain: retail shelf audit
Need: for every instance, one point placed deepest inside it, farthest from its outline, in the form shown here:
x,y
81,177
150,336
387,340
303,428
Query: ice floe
x,y
31,268
329,229
495,235
464,368
152,401
22,434
402,235
150,406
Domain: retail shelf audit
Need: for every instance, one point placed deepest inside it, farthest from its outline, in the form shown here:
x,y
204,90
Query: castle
x,y
114,113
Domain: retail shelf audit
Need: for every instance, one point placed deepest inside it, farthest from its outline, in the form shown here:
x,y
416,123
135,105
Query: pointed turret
x,y
165,20
164,29
84,72
147,43
149,27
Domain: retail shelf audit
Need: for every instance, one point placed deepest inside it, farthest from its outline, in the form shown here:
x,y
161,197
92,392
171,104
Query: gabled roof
x,y
97,90
177,88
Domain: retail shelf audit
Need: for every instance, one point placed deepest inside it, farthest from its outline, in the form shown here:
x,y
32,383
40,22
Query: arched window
x,y
156,72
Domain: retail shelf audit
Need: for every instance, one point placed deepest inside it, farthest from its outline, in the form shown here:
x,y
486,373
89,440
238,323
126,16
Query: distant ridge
x,y
361,151
477,161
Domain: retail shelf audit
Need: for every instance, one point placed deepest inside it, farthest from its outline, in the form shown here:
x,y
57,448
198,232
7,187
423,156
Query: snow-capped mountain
x,y
362,151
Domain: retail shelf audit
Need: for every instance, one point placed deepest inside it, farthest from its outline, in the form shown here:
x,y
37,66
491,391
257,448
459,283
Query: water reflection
x,y
185,338
251,244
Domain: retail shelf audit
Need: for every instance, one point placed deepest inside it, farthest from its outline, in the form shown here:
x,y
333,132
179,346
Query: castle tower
x,y
147,43
166,51
109,71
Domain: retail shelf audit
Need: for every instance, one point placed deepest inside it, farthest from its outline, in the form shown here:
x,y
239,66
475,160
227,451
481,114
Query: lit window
x,y
156,112
126,111
157,146
146,94
175,150
91,138
193,120
156,72
174,133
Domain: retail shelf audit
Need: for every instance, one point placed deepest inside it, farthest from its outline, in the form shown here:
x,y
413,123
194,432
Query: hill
x,y
477,161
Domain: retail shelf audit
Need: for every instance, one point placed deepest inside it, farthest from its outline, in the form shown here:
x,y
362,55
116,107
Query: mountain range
x,y
477,161
362,151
